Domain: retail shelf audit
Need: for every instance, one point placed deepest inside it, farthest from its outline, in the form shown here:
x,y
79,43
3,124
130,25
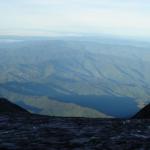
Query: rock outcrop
x,y
7,107
28,132
144,113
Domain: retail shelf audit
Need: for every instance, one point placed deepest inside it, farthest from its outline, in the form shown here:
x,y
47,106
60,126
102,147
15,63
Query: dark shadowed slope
x,y
144,113
8,107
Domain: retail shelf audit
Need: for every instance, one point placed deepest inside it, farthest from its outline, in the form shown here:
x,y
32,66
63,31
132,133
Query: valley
x,y
107,77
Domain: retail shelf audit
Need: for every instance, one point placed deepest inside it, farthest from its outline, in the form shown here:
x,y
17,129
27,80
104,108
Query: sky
x,y
75,17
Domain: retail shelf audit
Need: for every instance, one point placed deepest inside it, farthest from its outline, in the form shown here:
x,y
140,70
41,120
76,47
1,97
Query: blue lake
x,y
110,105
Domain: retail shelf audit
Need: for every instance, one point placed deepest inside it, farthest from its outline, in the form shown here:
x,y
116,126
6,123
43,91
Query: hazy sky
x,y
51,17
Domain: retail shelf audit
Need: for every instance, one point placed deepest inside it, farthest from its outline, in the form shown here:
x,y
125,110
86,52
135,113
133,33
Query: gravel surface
x,y
33,132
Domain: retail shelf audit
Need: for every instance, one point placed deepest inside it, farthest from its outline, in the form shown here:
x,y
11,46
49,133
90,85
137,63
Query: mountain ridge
x,y
75,67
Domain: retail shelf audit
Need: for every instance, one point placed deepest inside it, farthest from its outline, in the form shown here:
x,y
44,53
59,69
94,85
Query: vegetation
x,y
51,69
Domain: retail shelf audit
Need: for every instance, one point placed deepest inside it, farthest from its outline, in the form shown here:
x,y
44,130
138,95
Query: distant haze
x,y
75,17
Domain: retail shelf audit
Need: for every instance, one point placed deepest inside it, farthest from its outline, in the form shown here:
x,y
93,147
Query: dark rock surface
x,y
34,132
7,107
144,113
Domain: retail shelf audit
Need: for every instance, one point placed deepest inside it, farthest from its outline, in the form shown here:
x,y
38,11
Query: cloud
x,y
109,16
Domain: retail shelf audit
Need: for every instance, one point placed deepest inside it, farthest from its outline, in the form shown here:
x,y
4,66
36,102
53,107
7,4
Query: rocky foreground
x,y
25,132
